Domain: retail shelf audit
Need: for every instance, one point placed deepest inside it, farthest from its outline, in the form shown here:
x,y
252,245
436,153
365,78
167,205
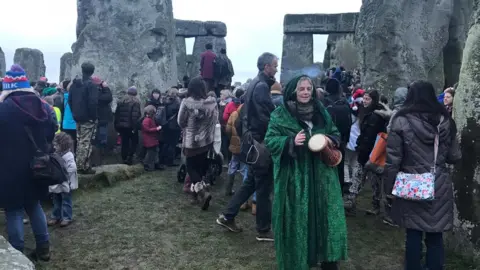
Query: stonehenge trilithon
x,y
298,32
65,66
203,32
2,63
32,61
129,42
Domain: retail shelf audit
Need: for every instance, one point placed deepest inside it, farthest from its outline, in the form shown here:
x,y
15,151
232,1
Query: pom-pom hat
x,y
15,78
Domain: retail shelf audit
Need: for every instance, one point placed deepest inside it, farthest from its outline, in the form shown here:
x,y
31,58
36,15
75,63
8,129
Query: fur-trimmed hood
x,y
202,108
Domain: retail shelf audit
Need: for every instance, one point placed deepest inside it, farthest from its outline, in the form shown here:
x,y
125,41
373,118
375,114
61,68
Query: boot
x,y
41,253
375,209
229,185
204,197
329,266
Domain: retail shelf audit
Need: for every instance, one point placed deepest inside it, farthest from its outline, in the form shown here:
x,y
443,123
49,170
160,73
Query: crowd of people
x,y
261,132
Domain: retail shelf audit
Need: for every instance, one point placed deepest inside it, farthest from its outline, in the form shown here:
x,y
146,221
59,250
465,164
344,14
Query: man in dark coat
x,y
207,64
338,108
255,115
83,101
223,71
22,109
105,114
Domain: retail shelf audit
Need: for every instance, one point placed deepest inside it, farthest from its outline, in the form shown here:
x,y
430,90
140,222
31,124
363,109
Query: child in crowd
x,y
150,138
62,193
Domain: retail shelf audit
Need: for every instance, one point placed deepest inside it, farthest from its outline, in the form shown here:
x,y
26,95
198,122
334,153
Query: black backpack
x,y
48,169
161,116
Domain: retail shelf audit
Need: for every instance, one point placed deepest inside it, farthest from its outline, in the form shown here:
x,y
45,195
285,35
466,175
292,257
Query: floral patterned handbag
x,y
418,186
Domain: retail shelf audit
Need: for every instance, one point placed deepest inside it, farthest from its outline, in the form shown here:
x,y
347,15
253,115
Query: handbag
x,y
418,186
378,156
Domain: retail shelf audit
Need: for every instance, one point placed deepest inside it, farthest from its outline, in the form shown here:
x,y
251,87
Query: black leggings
x,y
197,167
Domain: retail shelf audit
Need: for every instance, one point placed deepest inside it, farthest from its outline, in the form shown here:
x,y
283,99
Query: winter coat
x,y
72,182
223,70
83,100
258,106
172,106
229,109
149,132
340,111
207,64
231,131
198,118
371,125
68,123
105,99
277,98
17,188
410,149
127,113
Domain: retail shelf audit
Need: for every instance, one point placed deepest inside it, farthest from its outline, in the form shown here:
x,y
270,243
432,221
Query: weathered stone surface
x,y
467,114
13,259
199,47
297,54
108,175
190,69
129,42
189,29
329,58
401,41
181,51
320,23
2,63
32,61
453,51
65,66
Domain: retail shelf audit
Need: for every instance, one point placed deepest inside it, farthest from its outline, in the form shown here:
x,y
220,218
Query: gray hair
x,y
265,59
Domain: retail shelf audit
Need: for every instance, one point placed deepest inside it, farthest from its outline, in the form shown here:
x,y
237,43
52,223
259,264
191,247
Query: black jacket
x,y
410,149
371,125
127,113
83,100
172,106
338,108
105,114
257,107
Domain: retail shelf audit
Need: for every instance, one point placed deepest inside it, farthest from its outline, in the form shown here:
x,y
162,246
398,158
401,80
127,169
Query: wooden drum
x,y
328,153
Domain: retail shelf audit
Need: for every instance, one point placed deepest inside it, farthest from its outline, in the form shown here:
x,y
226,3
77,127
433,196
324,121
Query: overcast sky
x,y
254,26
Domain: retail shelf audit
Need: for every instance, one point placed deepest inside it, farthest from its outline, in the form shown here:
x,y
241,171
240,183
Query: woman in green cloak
x,y
308,216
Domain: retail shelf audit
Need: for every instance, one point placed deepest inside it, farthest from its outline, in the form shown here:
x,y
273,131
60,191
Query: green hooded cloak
x,y
308,216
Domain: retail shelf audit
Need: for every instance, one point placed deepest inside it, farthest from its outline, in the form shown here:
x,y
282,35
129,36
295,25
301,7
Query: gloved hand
x,y
386,113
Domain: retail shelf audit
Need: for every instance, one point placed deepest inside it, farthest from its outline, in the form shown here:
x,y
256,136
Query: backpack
x,y
48,169
221,67
161,116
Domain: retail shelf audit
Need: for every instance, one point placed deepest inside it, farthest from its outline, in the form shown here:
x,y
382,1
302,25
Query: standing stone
x,y
32,61
181,51
13,259
297,54
2,63
329,58
401,41
466,177
65,66
190,69
199,47
129,42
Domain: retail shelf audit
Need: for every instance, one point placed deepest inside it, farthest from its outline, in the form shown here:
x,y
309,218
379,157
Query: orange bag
x,y
378,156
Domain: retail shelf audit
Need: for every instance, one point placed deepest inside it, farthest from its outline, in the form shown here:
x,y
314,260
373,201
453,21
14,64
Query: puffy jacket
x,y
258,107
127,113
231,131
68,121
83,100
149,132
410,149
229,109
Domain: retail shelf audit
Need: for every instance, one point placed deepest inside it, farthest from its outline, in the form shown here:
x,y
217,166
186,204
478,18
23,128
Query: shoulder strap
x,y
435,146
30,137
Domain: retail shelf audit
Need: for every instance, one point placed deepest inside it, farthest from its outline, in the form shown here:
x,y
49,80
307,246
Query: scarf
x,y
5,93
304,111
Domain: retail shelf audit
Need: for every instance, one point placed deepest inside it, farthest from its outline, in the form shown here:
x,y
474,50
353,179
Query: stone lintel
x,y
320,23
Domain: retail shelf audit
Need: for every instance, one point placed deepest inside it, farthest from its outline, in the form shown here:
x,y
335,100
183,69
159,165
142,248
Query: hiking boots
x,y
52,222
229,224
41,253
265,237
229,185
65,223
204,197
388,221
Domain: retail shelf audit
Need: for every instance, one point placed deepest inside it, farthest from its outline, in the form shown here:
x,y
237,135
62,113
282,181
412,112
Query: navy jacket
x,y
18,110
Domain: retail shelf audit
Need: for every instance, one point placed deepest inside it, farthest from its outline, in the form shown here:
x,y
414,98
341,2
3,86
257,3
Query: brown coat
x,y
232,132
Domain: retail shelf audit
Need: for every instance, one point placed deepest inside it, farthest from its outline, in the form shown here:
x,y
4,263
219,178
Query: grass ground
x,y
147,223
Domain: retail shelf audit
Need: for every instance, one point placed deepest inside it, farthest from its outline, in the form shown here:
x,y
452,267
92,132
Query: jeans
x,y
102,135
62,206
261,182
236,165
15,227
413,250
